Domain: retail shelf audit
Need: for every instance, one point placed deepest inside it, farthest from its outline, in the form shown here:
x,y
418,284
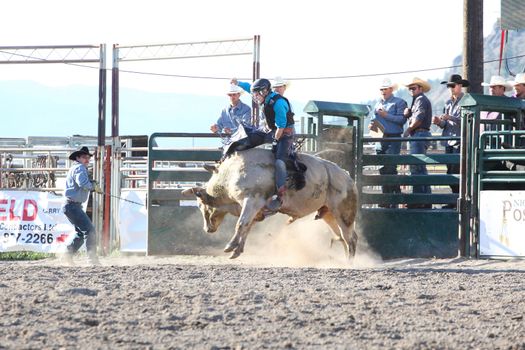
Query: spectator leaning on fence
x,y
388,112
419,120
78,187
519,85
519,88
450,122
498,86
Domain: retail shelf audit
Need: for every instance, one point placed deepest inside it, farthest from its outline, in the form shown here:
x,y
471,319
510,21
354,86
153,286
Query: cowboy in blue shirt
x,y
389,112
235,114
78,187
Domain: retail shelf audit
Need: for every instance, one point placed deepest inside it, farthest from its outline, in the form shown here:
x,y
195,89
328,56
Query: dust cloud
x,y
304,243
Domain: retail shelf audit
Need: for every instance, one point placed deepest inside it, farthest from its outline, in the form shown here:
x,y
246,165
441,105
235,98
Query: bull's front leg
x,y
250,207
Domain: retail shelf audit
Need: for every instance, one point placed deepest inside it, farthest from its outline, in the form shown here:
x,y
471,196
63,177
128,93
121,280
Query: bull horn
x,y
211,168
194,191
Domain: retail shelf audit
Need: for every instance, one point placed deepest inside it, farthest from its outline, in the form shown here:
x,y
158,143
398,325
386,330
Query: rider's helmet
x,y
261,85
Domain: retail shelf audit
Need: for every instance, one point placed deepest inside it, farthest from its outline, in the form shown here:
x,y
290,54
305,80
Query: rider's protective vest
x,y
269,112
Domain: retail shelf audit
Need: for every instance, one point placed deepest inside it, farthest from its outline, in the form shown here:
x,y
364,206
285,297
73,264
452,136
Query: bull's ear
x,y
211,168
200,193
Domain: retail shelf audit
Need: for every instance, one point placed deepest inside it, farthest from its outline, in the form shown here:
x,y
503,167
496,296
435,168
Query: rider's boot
x,y
276,201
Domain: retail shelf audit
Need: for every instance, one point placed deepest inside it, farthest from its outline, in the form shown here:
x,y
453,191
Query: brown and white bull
x,y
243,183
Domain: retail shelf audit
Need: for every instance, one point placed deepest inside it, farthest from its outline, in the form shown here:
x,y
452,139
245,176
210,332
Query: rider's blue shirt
x,y
245,86
281,109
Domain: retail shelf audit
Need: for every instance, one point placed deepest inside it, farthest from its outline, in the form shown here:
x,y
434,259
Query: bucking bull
x,y
242,184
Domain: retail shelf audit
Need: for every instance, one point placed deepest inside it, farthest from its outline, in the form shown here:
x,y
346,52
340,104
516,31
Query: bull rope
x,y
122,199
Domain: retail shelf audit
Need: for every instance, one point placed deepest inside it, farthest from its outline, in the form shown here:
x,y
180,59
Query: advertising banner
x,y
33,221
502,223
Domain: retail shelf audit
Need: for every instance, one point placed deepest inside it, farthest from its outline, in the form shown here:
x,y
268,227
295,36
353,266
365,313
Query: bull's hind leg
x,y
332,222
250,208
345,215
349,236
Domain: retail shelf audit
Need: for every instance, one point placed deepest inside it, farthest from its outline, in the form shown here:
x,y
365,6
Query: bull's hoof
x,y
235,255
230,247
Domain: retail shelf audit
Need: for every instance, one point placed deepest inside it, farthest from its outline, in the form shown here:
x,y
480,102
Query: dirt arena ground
x,y
205,302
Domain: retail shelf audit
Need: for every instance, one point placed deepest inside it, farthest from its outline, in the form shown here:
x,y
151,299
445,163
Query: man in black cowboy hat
x,y
450,122
78,186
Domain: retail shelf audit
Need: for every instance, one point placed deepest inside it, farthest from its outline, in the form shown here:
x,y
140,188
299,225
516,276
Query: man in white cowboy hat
x,y
280,85
78,187
388,112
234,114
498,86
519,85
450,122
420,119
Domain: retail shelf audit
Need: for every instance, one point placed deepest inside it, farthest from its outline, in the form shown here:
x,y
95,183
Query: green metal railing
x,y
384,221
170,171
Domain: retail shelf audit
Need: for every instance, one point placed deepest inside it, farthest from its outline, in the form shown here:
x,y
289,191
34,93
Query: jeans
x,y
453,168
83,226
284,147
419,147
389,148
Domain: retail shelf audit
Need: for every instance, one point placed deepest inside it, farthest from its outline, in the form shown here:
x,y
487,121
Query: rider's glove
x,y
97,188
274,146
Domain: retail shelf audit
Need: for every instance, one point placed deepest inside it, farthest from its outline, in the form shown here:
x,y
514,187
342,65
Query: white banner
x,y
33,221
502,223
133,222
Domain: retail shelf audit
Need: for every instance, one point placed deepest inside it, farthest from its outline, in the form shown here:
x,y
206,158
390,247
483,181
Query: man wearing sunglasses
x,y
450,122
279,120
420,119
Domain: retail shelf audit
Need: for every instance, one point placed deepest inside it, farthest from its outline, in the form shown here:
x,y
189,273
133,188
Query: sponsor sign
x,y
33,221
502,223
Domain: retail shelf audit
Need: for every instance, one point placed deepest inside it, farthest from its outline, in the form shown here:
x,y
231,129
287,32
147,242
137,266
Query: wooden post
x,y
473,44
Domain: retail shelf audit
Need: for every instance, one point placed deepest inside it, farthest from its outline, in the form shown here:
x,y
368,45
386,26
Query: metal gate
x,y
174,222
384,220
485,155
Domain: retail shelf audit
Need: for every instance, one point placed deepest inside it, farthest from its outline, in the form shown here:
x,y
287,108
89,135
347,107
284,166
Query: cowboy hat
x,y
279,81
519,79
496,80
456,79
79,152
387,83
417,81
234,89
